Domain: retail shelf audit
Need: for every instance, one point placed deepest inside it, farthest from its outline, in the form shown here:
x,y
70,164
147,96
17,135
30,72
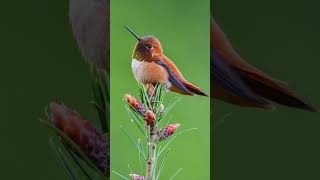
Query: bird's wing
x,y
176,82
222,75
179,76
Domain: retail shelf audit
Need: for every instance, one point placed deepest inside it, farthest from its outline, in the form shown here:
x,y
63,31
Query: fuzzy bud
x,y
151,92
135,104
87,137
136,177
168,131
150,117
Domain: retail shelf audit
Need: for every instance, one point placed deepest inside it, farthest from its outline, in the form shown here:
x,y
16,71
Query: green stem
x,y
152,143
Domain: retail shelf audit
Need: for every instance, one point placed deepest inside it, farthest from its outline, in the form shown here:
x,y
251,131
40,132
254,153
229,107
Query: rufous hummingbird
x,y
151,66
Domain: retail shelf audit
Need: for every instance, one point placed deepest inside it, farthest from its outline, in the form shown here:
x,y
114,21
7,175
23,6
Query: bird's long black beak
x,y
134,34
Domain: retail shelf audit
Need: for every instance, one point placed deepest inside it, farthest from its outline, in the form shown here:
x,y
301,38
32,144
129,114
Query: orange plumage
x,y
150,65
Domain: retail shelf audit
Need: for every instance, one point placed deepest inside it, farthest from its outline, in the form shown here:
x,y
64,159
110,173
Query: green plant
x,y
81,149
151,119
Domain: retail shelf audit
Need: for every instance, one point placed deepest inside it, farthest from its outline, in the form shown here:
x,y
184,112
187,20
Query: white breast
x,y
138,69
141,73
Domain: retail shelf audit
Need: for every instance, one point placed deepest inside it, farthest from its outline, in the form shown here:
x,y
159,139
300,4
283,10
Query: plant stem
x,y
152,143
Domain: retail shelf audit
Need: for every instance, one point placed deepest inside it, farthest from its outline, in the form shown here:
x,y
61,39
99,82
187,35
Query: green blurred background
x,y
40,62
183,29
282,38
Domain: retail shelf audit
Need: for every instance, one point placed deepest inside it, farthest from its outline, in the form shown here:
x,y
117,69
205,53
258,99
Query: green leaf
x,y
141,166
148,141
175,174
135,117
162,164
172,103
61,160
130,169
120,175
101,96
156,162
79,164
101,114
145,97
133,142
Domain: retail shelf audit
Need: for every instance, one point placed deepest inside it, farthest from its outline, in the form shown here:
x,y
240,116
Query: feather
x,y
225,77
176,83
237,82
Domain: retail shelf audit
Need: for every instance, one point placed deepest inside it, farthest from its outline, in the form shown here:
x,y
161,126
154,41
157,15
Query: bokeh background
x,y
281,38
40,62
183,29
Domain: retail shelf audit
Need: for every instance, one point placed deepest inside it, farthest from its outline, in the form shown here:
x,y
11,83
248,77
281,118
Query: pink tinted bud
x,y
132,101
135,104
150,117
150,88
168,131
93,143
136,177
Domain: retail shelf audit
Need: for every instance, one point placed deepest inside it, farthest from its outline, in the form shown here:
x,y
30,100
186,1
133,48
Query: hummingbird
x,y
151,66
235,81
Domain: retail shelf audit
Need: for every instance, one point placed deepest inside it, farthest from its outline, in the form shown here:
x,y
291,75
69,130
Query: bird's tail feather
x,y
274,91
194,89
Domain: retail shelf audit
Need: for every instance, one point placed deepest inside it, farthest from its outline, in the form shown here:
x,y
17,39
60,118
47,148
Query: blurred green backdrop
x,y
183,29
282,38
40,62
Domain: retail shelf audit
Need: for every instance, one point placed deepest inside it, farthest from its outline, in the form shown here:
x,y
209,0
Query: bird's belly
x,y
149,72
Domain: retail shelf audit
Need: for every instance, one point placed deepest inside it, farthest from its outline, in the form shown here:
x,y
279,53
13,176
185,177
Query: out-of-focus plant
x,y
150,117
81,149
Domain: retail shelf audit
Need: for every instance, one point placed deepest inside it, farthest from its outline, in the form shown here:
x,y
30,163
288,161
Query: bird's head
x,y
147,48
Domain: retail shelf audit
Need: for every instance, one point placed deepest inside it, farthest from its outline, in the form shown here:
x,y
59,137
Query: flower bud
x,y
168,131
87,137
150,89
150,117
136,177
135,104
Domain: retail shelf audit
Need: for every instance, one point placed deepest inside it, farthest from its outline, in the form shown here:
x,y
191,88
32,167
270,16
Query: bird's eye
x,y
148,46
